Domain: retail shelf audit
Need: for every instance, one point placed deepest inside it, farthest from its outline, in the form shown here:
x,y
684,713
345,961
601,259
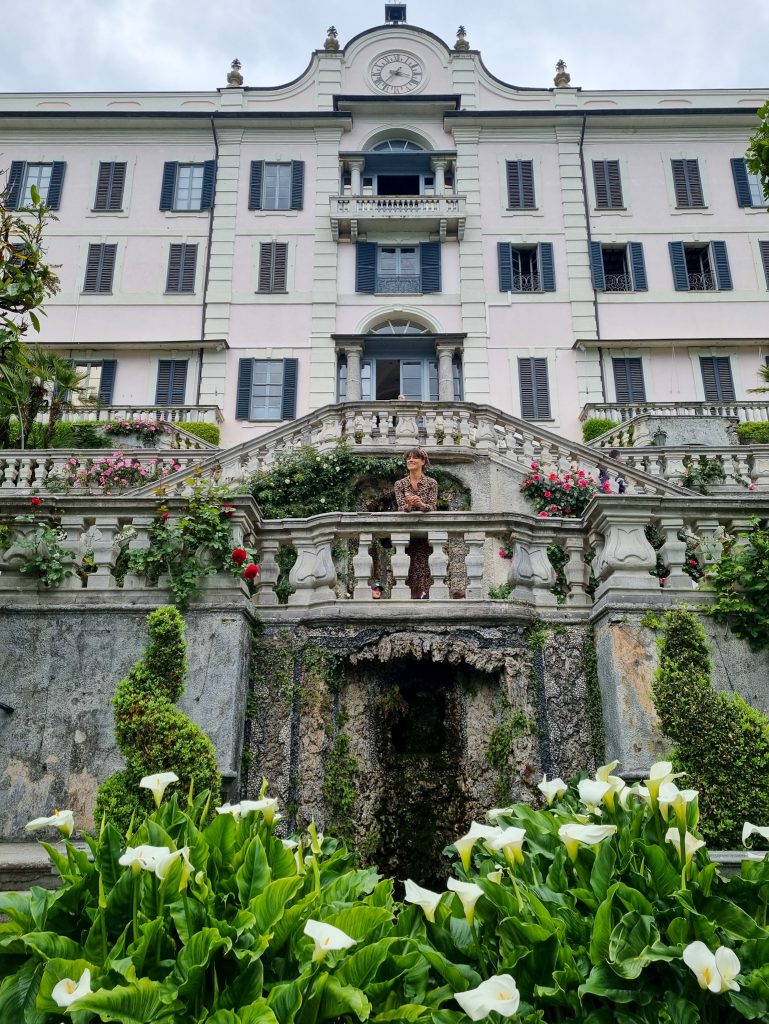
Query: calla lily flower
x,y
691,843
510,843
497,812
424,898
552,790
592,793
316,839
498,993
573,836
679,799
464,845
660,772
64,821
603,774
143,858
268,807
67,991
163,865
748,830
495,876
158,784
468,893
289,844
233,809
616,784
327,938
714,971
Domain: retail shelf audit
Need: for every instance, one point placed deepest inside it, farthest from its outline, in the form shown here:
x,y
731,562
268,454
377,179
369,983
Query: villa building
x,y
399,221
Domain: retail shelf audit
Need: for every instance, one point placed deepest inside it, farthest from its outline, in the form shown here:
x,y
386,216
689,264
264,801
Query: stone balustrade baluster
x,y
10,472
406,427
139,542
486,435
576,571
399,563
363,567
99,539
313,574
439,564
673,553
269,572
464,426
531,573
738,527
626,557
475,541
430,418
73,529
759,468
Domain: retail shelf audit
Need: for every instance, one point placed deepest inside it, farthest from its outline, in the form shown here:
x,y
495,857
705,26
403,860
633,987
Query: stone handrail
x,y
170,413
397,206
745,412
42,470
744,466
449,431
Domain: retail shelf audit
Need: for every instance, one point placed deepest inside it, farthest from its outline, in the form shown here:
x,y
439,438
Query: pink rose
x,y
543,515
535,465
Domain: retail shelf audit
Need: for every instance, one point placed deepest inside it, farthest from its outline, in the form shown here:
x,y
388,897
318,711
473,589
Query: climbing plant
x,y
740,580
151,733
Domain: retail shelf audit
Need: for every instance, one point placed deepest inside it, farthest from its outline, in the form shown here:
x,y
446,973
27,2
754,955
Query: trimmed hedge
x,y
72,434
753,433
596,426
152,734
205,431
722,742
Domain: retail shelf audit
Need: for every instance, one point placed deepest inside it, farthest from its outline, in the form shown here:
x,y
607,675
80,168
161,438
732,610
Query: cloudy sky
x,y
159,44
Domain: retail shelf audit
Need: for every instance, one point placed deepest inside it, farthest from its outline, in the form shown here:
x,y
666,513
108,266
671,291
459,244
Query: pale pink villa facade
x,y
505,256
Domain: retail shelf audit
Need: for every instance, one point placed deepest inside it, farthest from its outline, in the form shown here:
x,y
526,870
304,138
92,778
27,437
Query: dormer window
x,y
395,14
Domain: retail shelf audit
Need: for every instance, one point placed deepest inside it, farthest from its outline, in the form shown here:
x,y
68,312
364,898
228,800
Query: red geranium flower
x,y
536,477
35,502
543,515
581,473
553,476
535,465
582,483
239,555
693,561
547,494
250,572
227,510
502,553
164,515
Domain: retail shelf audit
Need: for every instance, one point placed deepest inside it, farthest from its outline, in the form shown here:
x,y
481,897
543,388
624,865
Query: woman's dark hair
x,y
418,453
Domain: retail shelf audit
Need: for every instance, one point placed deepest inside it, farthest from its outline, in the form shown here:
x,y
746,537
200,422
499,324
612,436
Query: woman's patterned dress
x,y
419,578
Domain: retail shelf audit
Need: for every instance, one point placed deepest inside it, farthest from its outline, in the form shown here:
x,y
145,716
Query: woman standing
x,y
417,493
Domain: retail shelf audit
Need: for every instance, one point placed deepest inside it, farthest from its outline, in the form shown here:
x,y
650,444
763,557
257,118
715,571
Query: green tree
x,y
757,155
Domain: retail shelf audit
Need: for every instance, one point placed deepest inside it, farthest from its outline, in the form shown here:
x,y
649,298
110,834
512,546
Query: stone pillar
x,y
439,165
356,168
445,351
353,351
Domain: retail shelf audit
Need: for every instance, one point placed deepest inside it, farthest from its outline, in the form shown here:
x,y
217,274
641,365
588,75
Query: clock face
x,y
396,73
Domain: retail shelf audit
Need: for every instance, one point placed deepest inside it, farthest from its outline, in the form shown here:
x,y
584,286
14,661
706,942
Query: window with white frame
x,y
189,187
38,176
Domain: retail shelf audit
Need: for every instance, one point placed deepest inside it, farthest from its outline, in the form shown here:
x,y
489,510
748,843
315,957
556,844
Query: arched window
x,y
397,146
399,327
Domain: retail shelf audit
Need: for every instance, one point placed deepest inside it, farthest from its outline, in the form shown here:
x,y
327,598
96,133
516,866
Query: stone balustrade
x,y
44,471
745,467
170,413
619,412
351,215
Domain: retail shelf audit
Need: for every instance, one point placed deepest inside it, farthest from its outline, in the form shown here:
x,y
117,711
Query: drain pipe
x,y
586,204
207,274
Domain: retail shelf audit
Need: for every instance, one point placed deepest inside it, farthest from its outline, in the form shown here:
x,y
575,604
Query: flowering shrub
x,y
560,494
149,431
110,473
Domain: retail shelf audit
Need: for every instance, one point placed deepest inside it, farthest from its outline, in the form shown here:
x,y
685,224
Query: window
x,y
535,393
171,384
520,185
276,186
629,379
747,185
618,268
717,379
47,178
109,187
526,268
266,389
100,269
398,269
700,268
273,261
763,248
397,146
98,381
188,186
182,260
608,185
687,184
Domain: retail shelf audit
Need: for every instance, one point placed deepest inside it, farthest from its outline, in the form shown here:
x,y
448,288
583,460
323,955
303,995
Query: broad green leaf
x,y
282,862
459,976
339,1000
224,1017
382,894
244,989
665,877
731,918
360,966
605,984
254,873
292,921
50,945
269,906
110,848
602,928
136,1003
34,320
680,1009
603,869
55,971
144,942
349,886
258,1013
284,1000
187,976
359,922
16,905
629,941
18,994
407,1012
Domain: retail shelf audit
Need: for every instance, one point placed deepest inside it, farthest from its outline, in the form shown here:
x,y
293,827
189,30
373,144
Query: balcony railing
x,y
171,413
398,285
619,412
526,283
618,282
702,283
354,215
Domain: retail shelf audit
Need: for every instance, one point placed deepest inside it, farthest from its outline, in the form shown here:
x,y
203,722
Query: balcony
x,y
353,216
171,413
621,412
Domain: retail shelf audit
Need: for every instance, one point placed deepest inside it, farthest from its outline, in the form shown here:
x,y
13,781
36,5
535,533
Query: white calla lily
x,y
659,773
495,876
552,790
64,821
748,830
670,796
604,772
592,793
469,893
327,938
498,812
728,966
510,843
289,844
67,991
498,993
424,898
143,858
714,971
268,807
163,864
464,845
158,784
691,843
233,809
573,836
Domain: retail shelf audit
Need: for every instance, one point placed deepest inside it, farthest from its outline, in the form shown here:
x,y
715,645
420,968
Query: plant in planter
x,y
149,432
559,494
110,473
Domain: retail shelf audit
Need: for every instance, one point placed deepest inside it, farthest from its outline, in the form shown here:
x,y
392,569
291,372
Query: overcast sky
x,y
113,45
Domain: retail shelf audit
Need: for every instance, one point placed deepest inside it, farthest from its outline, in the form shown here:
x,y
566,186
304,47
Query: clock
x,y
396,73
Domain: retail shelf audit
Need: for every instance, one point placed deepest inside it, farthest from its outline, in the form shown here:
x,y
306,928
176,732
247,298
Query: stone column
x,y
356,169
445,351
439,165
353,351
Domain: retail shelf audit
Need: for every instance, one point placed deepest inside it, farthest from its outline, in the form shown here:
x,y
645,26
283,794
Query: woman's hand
x,y
413,502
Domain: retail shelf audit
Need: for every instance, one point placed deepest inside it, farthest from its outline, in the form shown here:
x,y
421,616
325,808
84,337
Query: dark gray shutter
x,y
629,379
15,181
255,190
209,184
171,382
505,257
168,187
638,264
678,262
182,262
741,184
596,266
763,248
608,184
721,262
189,266
365,267
290,373
520,184
243,399
53,201
100,268
109,186
273,263
717,378
535,395
265,267
297,185
430,258
107,381
546,267
174,275
687,183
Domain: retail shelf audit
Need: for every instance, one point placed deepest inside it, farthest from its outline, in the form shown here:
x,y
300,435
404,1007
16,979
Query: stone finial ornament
x,y
461,44
562,76
234,77
331,43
